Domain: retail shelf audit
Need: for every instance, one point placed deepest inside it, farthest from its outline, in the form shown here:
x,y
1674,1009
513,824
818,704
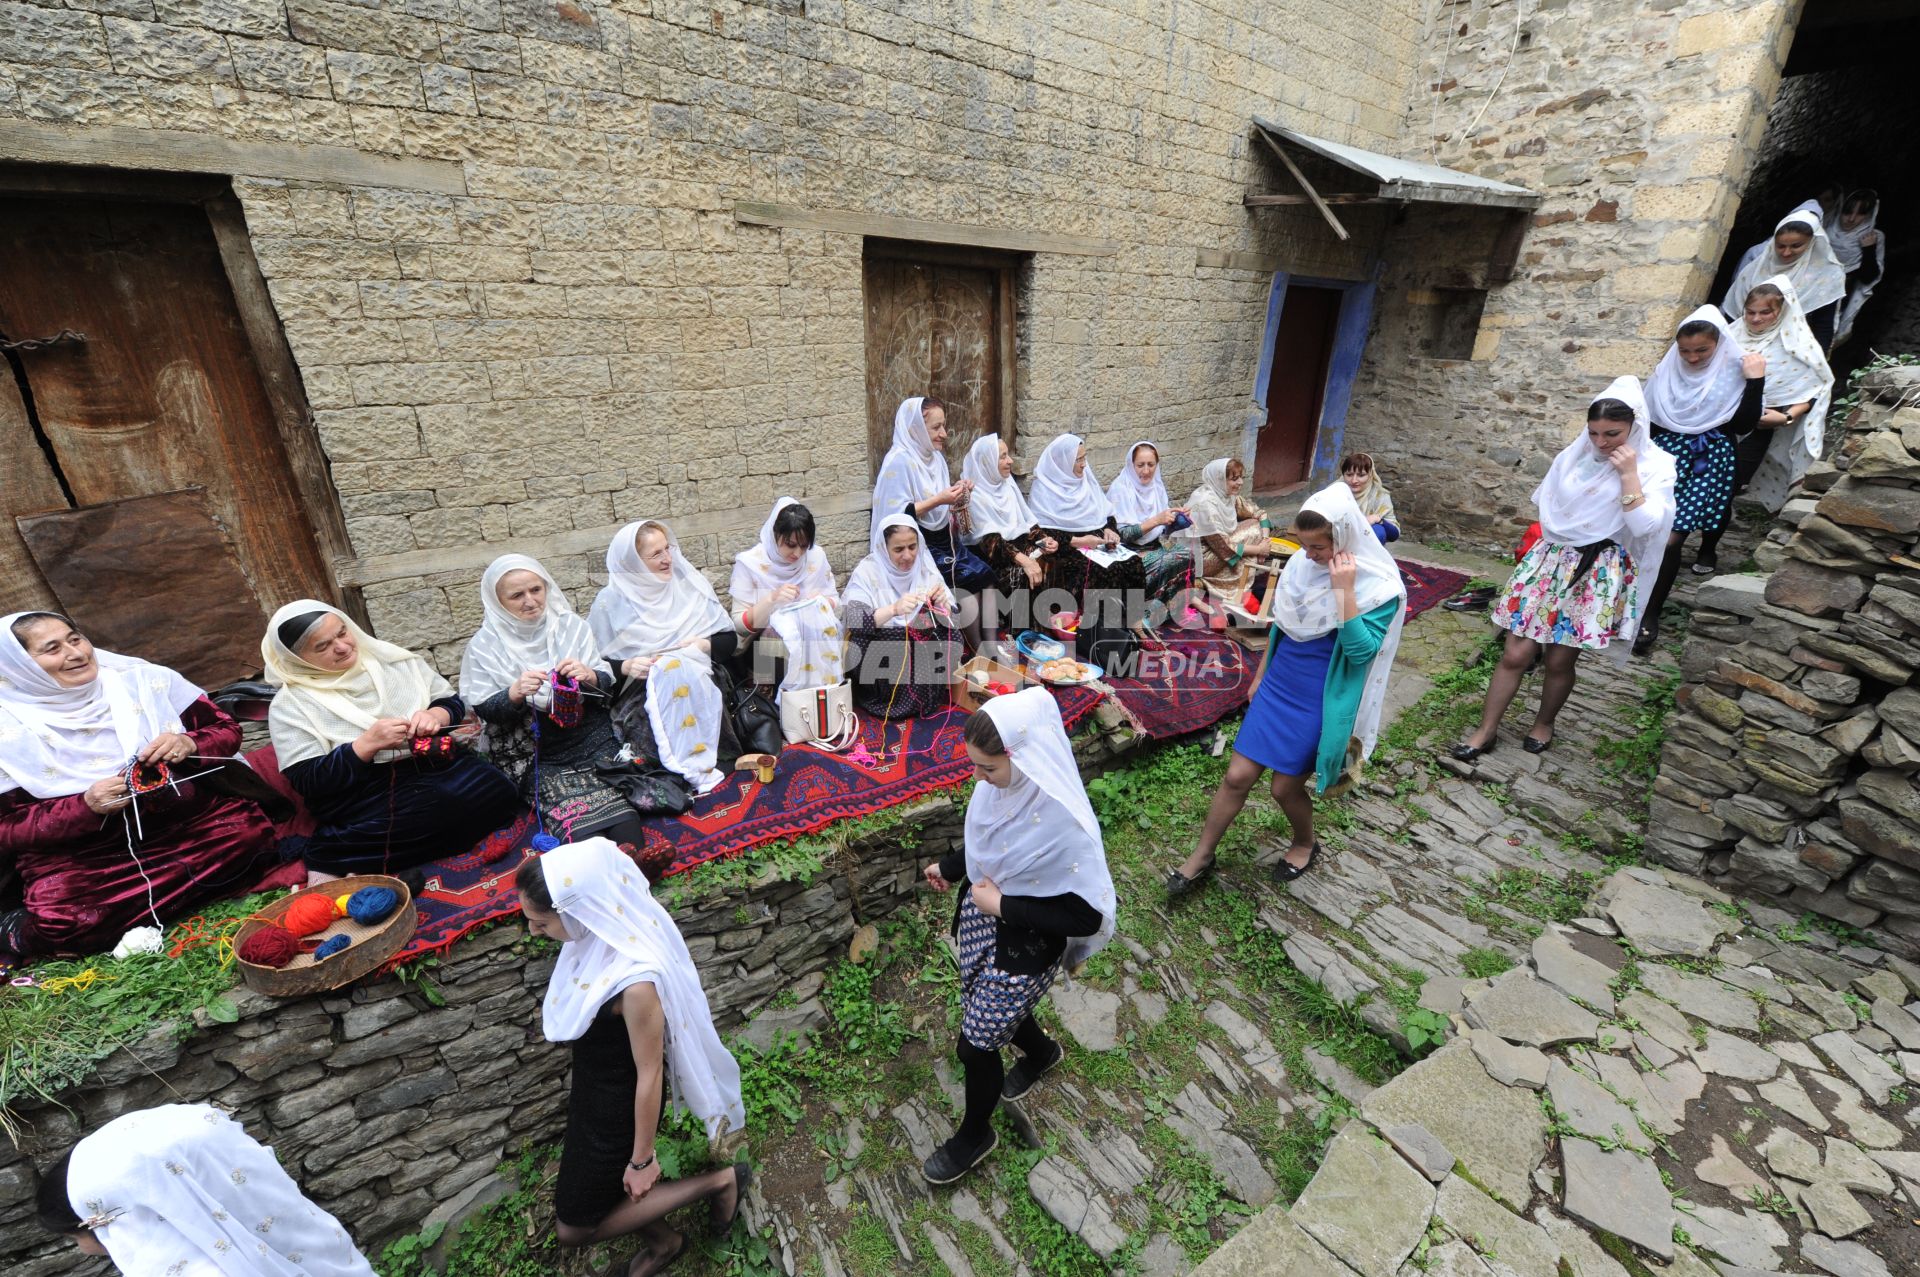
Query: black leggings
x,y
986,1074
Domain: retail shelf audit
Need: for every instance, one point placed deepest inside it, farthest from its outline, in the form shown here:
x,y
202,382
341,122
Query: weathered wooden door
x,y
153,389
1296,390
939,322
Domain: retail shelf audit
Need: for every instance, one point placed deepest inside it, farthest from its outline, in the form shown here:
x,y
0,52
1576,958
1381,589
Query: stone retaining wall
x,y
387,1109
1790,771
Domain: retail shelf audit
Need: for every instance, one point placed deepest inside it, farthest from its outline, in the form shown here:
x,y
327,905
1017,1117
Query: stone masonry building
x,y
399,287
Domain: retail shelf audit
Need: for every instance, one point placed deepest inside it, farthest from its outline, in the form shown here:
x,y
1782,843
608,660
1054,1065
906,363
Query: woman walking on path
x,y
626,994
1703,396
1800,252
1319,691
1605,506
1040,898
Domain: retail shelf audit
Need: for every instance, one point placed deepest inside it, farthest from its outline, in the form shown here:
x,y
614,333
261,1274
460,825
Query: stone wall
x,y
387,1110
1638,123
1791,770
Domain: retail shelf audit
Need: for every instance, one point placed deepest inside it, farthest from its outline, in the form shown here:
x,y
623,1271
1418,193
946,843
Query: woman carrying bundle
x,y
902,648
535,676
1074,511
625,993
1002,530
914,480
1036,896
1314,709
661,623
1704,395
345,722
1605,507
183,1191
1146,518
72,718
1800,252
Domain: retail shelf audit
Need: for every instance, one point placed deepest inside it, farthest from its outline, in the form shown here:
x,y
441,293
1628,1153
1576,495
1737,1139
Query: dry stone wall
x,y
1791,770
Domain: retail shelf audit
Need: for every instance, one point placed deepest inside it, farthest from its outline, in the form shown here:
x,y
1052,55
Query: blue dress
x,y
1282,727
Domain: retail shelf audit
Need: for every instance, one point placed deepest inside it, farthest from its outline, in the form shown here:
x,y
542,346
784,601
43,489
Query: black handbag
x,y
649,789
756,721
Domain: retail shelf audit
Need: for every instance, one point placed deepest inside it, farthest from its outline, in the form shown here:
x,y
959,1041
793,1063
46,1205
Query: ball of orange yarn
x,y
269,947
308,914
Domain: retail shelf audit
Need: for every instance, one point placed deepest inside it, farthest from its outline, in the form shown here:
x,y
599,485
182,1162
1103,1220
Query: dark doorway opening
x,y
1303,342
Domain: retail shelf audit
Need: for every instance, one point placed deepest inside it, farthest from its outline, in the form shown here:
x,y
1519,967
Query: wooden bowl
x,y
371,946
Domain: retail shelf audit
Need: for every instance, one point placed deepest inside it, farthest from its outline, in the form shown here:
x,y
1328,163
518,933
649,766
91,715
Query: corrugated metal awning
x,y
1394,180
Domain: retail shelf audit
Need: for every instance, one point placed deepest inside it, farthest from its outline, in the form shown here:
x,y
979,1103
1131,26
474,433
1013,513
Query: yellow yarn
x,y
79,982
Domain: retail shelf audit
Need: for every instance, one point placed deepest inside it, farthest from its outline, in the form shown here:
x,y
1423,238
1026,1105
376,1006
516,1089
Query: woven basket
x,y
371,946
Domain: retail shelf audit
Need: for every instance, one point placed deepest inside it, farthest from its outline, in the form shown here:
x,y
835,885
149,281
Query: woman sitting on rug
x,y
1703,396
1041,898
914,480
1606,507
1317,696
345,722
1375,502
91,863
1074,511
182,1189
659,619
625,993
1001,527
546,738
1230,529
902,647
1138,496
785,583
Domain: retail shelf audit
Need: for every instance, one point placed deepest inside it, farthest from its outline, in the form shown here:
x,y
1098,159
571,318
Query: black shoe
x,y
1285,870
1471,601
1023,1076
1706,566
954,1159
1178,884
1465,753
1644,641
1533,746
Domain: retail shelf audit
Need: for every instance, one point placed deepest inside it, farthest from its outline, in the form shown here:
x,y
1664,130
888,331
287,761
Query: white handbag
x,y
819,716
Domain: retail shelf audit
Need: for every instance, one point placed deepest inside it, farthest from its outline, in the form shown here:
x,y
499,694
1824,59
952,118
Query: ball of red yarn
x,y
308,914
269,947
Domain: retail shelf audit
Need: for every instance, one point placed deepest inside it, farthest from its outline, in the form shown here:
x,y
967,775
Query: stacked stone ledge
x,y
1789,770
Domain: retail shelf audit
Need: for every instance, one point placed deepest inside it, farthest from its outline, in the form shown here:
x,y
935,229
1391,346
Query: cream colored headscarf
x,y
316,711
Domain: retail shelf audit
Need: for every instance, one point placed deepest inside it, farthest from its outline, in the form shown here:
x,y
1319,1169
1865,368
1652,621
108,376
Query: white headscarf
x,y
639,614
1134,501
759,569
1846,243
1579,500
1797,372
1816,273
619,936
505,646
876,583
1692,401
1211,507
1061,499
1016,837
1305,606
316,711
56,741
913,468
185,1190
997,506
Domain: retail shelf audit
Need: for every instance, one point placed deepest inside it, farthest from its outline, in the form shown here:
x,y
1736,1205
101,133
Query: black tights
x,y
985,1075
1663,584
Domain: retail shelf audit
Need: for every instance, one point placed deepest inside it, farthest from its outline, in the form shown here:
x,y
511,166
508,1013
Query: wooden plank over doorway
x,y
883,226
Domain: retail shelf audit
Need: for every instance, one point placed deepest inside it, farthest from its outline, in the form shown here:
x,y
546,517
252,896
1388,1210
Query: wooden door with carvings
x,y
131,376
939,322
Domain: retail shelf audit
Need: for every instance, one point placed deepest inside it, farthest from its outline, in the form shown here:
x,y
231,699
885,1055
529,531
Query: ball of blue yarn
x,y
543,842
370,904
334,944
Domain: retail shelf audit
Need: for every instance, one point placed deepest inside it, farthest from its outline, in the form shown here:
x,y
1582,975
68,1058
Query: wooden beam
x,y
1505,254
885,226
1305,185
120,147
1271,199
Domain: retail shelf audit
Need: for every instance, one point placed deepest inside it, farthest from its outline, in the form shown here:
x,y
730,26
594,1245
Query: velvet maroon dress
x,y
82,890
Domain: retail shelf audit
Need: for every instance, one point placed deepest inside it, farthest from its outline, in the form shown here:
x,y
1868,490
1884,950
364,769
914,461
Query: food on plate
x,y
1064,671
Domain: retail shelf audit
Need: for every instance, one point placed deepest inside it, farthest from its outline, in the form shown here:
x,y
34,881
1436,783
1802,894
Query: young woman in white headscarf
x,y
902,645
660,623
1861,246
71,719
914,480
1146,519
1792,426
1705,394
784,584
1605,508
530,645
1002,530
1228,529
1035,896
1074,512
344,723
183,1191
1314,709
1799,251
626,996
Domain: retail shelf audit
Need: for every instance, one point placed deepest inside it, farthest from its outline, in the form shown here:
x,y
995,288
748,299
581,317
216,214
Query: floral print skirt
x,y
1544,602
